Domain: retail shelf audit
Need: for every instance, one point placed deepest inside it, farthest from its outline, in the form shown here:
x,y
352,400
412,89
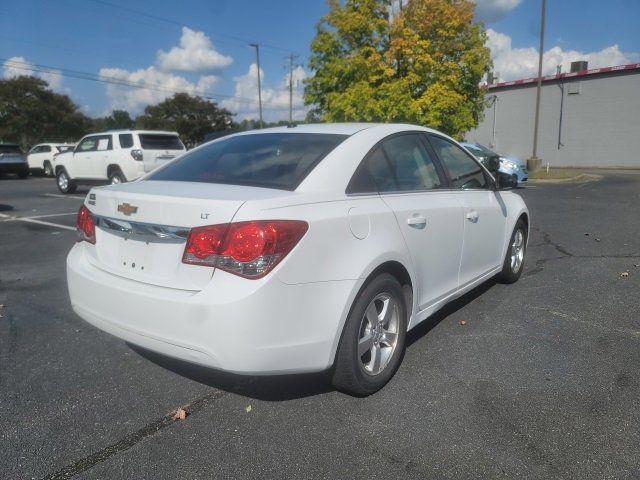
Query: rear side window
x,y
400,164
270,160
10,149
126,140
160,142
464,171
412,167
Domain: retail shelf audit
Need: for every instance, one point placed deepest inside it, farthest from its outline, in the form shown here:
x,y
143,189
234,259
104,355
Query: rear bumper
x,y
237,325
14,167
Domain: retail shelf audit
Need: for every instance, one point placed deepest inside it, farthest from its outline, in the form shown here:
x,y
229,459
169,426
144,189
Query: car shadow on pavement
x,y
278,388
270,388
426,326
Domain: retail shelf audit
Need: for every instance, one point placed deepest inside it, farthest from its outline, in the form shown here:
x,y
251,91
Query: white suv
x,y
41,156
115,157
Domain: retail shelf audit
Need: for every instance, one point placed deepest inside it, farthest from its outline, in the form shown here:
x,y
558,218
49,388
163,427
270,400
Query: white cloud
x,y
18,66
489,11
196,53
518,63
162,85
275,101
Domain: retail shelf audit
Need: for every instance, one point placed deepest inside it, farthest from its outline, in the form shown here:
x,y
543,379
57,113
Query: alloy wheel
x,y
517,251
378,335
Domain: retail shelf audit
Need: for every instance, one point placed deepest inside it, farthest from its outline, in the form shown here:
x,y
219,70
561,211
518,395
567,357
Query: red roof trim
x,y
582,73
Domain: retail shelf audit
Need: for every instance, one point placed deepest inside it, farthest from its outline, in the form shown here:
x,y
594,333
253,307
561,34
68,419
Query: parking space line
x,y
51,215
9,218
48,224
57,195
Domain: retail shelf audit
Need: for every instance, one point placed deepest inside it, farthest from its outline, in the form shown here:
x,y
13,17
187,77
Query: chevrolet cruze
x,y
295,249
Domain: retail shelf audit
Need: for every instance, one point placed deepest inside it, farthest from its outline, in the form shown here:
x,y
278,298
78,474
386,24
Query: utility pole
x,y
534,162
291,58
257,47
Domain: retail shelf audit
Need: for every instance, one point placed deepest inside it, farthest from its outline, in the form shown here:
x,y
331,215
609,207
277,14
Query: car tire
x,y
116,177
65,184
514,258
23,173
371,348
47,170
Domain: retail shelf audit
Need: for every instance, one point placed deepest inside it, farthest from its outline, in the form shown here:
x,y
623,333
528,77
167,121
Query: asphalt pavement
x,y
538,379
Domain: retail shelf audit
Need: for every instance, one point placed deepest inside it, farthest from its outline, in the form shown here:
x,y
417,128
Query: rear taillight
x,y
136,154
248,249
86,226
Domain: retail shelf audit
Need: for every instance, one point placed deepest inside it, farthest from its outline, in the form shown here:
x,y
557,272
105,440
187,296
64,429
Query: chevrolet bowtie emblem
x,y
127,209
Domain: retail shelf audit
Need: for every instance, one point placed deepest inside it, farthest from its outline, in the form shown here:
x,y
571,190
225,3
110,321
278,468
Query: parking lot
x,y
538,379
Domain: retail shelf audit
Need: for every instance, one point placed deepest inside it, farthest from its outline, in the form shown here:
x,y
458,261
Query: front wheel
x,y
373,341
65,184
514,259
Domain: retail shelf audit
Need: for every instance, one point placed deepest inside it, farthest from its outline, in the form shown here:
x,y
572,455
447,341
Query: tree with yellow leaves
x,y
420,62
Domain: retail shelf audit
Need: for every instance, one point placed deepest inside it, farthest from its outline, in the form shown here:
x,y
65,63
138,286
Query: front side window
x,y
89,144
269,160
464,171
45,148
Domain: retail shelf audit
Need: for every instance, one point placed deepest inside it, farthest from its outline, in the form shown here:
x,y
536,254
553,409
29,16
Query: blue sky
x,y
210,55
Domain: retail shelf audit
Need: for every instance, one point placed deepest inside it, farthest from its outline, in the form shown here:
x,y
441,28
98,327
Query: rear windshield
x,y
160,142
10,149
270,160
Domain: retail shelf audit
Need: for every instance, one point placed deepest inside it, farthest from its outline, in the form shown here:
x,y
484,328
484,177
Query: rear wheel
x,y
65,184
514,259
373,341
23,173
48,169
116,177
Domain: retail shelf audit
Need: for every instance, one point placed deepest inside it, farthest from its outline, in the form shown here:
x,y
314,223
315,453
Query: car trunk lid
x,y
142,227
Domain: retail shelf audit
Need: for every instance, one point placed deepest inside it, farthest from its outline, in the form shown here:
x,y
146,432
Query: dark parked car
x,y
13,160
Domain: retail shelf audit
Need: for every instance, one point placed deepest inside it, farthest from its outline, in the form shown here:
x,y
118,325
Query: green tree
x,y
31,113
191,117
119,119
423,64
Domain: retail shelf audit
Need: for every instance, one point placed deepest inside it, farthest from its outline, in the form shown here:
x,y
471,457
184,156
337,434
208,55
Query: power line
x,y
235,38
63,72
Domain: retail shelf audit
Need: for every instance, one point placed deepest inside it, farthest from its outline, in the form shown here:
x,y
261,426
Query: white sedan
x,y
295,249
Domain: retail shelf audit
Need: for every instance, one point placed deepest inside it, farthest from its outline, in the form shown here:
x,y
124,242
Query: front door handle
x,y
417,221
472,216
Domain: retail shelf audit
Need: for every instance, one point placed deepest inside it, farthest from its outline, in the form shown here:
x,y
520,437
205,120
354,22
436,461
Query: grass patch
x,y
556,173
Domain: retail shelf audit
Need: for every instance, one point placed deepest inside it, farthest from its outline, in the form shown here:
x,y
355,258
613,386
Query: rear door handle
x,y
472,216
417,221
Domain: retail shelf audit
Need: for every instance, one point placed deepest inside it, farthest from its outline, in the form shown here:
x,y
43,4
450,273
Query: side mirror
x,y
492,164
505,181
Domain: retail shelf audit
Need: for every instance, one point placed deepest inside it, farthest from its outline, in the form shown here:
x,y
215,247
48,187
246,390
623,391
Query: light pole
x,y
257,47
534,162
291,58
